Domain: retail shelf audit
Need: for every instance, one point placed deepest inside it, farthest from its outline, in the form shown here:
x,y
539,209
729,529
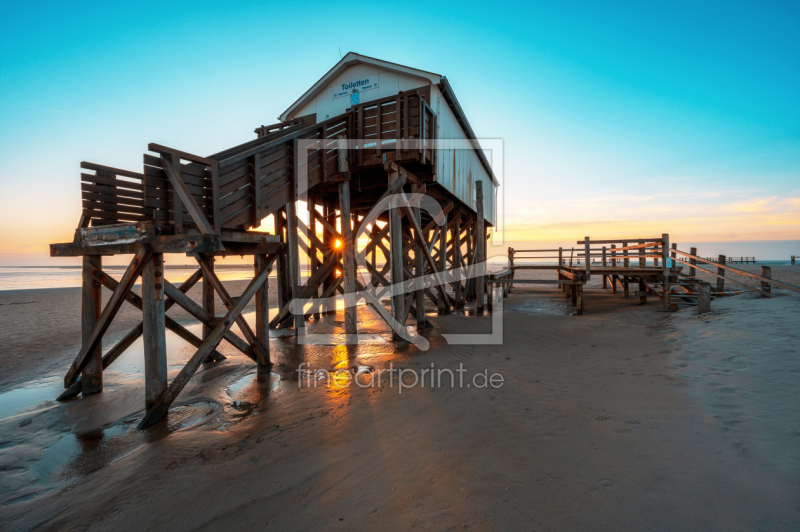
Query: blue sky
x,y
616,117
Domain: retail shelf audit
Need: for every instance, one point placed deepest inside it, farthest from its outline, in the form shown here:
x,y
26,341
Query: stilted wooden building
x,y
367,132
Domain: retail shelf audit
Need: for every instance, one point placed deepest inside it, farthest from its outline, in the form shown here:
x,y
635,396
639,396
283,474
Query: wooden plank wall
x,y
158,191
112,196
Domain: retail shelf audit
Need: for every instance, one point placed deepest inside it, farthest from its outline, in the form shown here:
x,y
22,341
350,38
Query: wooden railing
x,y
112,196
237,188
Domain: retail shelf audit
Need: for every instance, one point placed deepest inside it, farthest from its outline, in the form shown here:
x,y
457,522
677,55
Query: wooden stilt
x,y
92,375
262,312
579,299
330,241
258,349
167,397
153,330
419,270
348,261
459,261
293,257
284,290
312,246
443,307
665,271
480,234
208,295
396,257
114,303
693,261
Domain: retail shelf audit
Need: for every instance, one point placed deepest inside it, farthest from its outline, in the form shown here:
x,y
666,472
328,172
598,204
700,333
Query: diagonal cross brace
x,y
167,397
135,269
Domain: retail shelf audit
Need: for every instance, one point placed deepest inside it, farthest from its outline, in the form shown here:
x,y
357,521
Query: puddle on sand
x,y
249,390
65,456
33,396
541,305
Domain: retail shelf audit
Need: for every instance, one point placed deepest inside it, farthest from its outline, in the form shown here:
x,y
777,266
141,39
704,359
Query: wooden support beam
x,y
419,267
458,261
443,307
480,280
313,242
135,333
396,258
665,272
262,357
166,398
180,189
348,256
262,310
153,329
117,298
92,375
293,256
208,295
417,235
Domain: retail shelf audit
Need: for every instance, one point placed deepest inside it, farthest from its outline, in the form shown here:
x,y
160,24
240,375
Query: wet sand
x,y
625,418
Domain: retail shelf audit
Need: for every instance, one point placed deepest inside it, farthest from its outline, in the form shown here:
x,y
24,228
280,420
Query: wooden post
x,y
444,305
625,261
208,294
579,307
721,271
153,332
419,271
587,257
766,271
692,261
312,247
284,292
92,375
793,261
456,236
262,311
665,272
348,261
396,252
480,234
293,253
329,241
642,256
642,292
509,287
625,286
605,263
703,297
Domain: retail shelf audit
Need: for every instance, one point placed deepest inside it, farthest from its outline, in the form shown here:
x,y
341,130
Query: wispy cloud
x,y
48,109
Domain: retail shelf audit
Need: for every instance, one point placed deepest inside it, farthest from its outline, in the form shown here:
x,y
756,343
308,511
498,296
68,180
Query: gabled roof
x,y
353,58
347,61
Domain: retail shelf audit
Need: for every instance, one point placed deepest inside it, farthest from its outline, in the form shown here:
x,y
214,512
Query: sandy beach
x,y
624,418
